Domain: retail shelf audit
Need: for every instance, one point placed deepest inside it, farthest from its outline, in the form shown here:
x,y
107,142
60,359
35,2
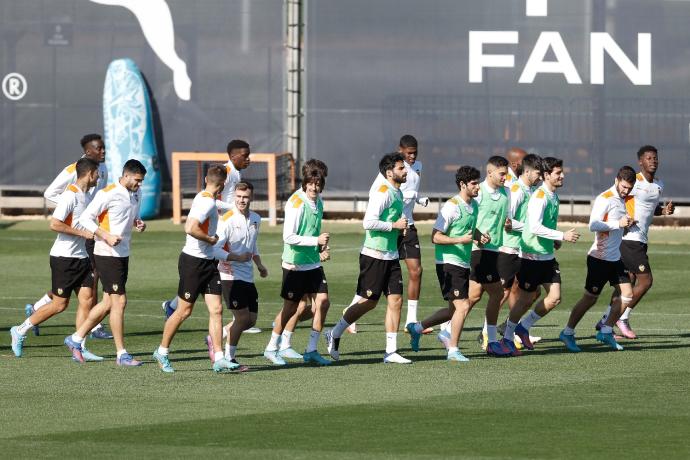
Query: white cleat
x,y
444,338
252,330
395,358
273,357
289,353
332,345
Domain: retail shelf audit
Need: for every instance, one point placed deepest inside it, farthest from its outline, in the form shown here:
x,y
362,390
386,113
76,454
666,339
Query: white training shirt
x,y
205,211
641,204
69,176
450,212
294,208
379,200
113,209
535,215
410,189
227,200
237,234
70,206
607,210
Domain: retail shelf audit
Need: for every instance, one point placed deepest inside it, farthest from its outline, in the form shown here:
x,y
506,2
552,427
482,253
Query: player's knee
x,y
325,305
553,302
415,273
60,306
646,282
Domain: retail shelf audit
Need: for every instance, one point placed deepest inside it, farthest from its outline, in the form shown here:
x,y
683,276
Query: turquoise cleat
x,y
163,362
456,356
315,357
88,356
225,365
414,336
17,341
609,340
569,341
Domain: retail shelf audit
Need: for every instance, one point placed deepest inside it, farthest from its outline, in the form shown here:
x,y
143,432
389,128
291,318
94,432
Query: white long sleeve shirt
x,y
237,234
203,210
641,204
69,176
70,206
293,216
113,209
378,202
227,200
607,210
410,189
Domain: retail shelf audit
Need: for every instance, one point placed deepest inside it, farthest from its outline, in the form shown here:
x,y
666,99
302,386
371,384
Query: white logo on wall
x,y
600,45
14,86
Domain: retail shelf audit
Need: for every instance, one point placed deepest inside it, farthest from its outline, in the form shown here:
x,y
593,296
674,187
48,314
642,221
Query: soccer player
x,y
303,241
199,273
112,215
93,148
515,157
453,234
538,265
69,263
379,267
642,205
238,232
238,159
608,220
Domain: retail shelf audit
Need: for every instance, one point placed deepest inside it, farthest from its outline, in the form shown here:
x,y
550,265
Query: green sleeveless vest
x,y
533,244
458,254
386,241
491,218
309,225
512,238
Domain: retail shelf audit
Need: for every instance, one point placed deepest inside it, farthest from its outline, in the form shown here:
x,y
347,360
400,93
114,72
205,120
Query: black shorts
x,y
484,267
112,272
89,250
69,274
508,268
197,276
634,257
240,294
298,283
454,281
378,277
408,245
600,272
534,273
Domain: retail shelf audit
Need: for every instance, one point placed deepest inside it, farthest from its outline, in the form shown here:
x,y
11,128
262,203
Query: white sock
x,y
418,328
273,343
163,351
24,327
491,333
217,356
227,350
83,344
391,342
286,340
355,300
606,329
606,314
626,313
77,338
121,352
569,330
313,340
225,330
339,328
453,349
173,303
411,311
97,327
510,330
446,327
43,301
232,351
529,320
485,330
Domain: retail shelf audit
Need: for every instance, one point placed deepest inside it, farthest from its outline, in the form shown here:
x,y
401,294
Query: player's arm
x,y
139,225
665,210
200,213
597,222
444,219
291,227
378,202
89,219
516,199
535,216
65,207
59,185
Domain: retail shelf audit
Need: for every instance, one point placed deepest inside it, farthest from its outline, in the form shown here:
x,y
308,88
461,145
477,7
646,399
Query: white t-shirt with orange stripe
x,y
205,211
69,176
113,209
70,206
640,204
238,234
607,210
227,200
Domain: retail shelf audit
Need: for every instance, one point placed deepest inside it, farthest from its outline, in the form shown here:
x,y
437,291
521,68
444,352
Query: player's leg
x,y
618,277
461,308
74,342
494,346
285,349
85,298
117,326
18,333
214,302
321,305
98,331
30,308
393,289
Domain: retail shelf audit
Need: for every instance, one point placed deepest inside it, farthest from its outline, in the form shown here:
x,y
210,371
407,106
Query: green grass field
x,y
546,404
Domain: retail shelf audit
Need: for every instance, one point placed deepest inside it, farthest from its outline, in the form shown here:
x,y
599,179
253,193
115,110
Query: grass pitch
x,y
546,404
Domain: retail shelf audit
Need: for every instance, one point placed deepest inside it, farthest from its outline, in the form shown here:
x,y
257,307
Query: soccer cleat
x,y
414,336
609,340
75,348
597,326
274,357
167,309
497,349
444,337
524,336
163,362
518,343
209,345
534,339
569,341
456,356
332,345
128,360
395,358
101,333
626,330
252,330
241,368
17,341
510,346
289,353
315,357
225,365
28,311
88,356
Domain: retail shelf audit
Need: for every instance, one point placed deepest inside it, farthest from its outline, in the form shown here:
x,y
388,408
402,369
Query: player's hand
x,y
87,235
113,240
484,239
263,271
668,209
400,224
324,238
213,239
571,236
423,201
508,226
557,244
625,221
464,239
139,225
324,255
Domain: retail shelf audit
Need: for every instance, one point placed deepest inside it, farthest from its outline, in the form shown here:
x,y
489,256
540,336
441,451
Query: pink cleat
x,y
626,330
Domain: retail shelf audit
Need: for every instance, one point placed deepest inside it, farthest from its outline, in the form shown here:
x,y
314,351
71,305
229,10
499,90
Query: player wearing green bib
x,y
379,266
538,266
453,234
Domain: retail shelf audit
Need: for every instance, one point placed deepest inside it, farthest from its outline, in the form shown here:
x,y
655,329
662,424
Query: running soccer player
x,y
538,265
379,267
238,159
453,234
609,220
69,263
303,274
93,148
642,205
199,273
112,215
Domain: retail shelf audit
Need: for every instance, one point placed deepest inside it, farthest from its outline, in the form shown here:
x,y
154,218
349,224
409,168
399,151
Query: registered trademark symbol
x,y
14,86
